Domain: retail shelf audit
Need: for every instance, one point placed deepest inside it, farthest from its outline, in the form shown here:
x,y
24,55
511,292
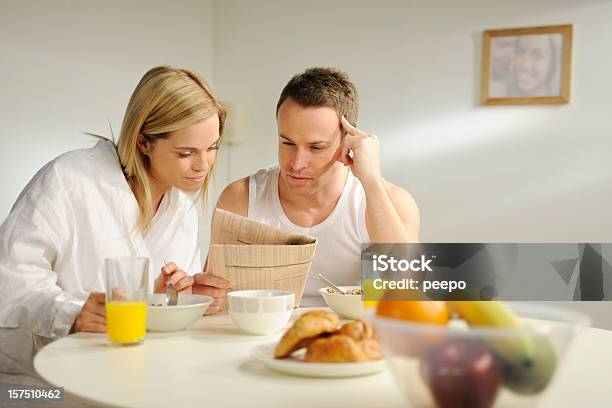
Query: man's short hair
x,y
323,87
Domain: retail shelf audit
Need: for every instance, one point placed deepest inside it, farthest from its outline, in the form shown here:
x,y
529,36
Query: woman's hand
x,y
180,279
93,315
213,286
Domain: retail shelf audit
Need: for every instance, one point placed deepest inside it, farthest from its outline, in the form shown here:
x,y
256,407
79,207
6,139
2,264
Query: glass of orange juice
x,y
127,282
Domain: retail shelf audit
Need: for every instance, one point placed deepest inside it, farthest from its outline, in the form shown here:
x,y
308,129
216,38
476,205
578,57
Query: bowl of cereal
x,y
346,304
163,318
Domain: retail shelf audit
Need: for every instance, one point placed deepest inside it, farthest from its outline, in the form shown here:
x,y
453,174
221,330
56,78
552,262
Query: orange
x,y
421,311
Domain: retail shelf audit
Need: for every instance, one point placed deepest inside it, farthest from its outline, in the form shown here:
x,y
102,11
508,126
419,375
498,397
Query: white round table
x,y
209,365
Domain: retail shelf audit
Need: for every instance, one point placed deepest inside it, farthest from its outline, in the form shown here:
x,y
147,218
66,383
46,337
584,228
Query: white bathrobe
x,y
75,212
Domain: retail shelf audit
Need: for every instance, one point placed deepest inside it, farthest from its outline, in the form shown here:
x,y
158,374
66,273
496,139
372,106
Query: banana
x,y
371,294
528,361
485,313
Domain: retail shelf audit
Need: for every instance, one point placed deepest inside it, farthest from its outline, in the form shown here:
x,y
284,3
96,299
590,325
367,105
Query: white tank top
x,y
338,253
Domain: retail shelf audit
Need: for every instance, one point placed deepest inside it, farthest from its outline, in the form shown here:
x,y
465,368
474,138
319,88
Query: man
x,y
328,182
503,50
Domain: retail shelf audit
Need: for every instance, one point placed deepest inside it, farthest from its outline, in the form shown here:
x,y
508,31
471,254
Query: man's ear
x,y
341,128
337,154
143,145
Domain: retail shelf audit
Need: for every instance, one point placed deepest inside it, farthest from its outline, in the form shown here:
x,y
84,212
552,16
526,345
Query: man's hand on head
x,y
365,148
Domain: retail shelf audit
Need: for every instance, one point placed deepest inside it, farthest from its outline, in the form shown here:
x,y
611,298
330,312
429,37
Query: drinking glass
x,y
127,281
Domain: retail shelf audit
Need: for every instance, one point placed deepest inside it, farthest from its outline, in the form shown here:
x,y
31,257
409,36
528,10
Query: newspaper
x,y
252,255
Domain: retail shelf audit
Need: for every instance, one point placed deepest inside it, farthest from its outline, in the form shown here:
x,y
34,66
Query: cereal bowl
x,y
189,308
348,306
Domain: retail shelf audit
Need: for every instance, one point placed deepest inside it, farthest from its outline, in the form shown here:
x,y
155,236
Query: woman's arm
x,y
29,295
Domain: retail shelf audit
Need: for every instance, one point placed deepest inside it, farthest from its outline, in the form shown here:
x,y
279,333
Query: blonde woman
x,y
106,201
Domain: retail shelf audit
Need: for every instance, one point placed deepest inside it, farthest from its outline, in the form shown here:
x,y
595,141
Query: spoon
x,y
333,285
171,294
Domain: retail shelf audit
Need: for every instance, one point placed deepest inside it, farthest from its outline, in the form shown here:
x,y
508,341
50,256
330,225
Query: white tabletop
x,y
209,365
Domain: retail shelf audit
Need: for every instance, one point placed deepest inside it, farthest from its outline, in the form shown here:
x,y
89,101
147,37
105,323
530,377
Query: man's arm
x,y
235,197
392,214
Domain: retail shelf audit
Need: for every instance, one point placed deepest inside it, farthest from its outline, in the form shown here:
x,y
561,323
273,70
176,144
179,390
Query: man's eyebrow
x,y
318,142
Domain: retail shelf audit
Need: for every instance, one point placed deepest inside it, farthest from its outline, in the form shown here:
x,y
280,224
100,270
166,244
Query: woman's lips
x,y
196,179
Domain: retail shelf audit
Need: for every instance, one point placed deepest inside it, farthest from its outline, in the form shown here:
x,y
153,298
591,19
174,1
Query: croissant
x,y
358,330
354,342
306,328
335,349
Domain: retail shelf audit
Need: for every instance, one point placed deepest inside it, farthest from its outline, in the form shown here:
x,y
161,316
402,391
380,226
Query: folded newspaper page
x,y
252,255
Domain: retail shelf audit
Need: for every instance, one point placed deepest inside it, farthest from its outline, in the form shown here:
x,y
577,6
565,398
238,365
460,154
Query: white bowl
x,y
175,318
260,312
348,306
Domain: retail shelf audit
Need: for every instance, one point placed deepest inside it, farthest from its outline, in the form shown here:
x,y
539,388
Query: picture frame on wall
x,y
527,66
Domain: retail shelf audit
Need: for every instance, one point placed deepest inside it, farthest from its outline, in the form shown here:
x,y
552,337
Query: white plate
x,y
295,364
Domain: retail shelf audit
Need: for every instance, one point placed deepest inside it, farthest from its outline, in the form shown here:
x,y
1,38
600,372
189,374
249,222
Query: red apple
x,y
462,373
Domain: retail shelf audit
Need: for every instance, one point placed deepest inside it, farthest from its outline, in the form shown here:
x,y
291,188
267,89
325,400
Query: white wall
x,y
490,174
479,174
69,67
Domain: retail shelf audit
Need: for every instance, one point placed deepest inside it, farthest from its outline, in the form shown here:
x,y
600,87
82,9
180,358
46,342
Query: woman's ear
x,y
144,145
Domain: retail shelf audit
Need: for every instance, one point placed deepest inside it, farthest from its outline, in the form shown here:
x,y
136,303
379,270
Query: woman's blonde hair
x,y
166,99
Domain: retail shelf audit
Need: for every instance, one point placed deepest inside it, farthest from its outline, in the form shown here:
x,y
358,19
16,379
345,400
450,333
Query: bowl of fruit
x,y
474,353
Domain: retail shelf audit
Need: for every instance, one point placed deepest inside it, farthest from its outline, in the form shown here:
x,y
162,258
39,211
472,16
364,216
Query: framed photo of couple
x,y
525,66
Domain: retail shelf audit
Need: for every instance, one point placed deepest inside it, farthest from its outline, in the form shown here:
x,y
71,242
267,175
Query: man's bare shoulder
x,y
235,197
399,193
404,203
